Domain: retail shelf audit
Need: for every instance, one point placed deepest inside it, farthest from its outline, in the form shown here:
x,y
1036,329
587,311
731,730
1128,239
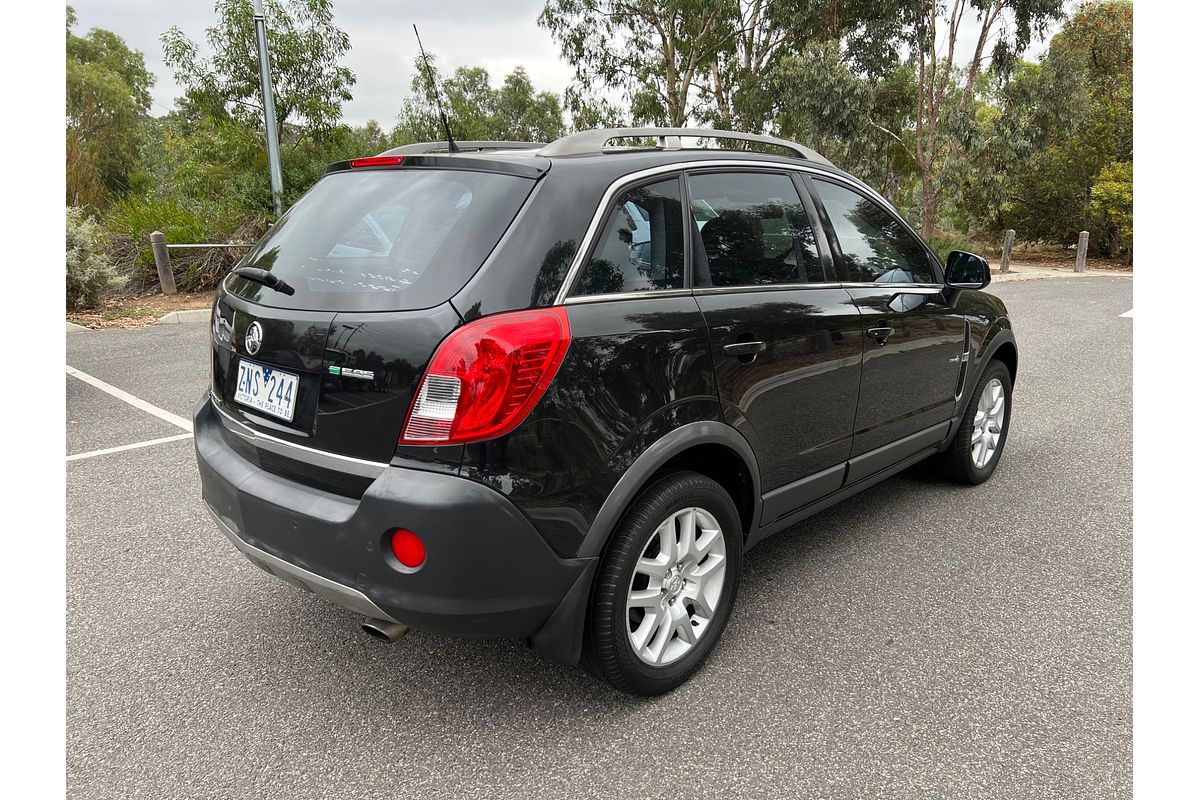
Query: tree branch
x,y
879,127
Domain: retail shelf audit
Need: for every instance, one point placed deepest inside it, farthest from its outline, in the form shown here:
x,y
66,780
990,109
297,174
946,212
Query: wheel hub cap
x,y
676,586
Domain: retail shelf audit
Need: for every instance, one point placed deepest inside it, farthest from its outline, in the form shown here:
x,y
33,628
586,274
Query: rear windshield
x,y
384,240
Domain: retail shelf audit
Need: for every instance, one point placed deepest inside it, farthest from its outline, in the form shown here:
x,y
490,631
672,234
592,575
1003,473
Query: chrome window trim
x,y
620,184
298,452
925,288
603,298
766,287
929,289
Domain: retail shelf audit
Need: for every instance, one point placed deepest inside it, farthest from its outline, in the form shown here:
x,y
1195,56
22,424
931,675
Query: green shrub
x,y
1111,208
137,217
132,219
90,274
942,243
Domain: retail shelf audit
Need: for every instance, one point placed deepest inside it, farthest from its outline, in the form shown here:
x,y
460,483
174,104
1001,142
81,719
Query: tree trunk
x,y
724,110
928,202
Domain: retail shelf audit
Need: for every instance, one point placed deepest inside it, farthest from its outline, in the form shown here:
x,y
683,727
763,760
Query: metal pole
x,y
162,261
1081,252
264,69
1010,236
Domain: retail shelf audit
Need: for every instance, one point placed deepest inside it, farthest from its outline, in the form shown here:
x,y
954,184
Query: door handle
x,y
745,351
881,332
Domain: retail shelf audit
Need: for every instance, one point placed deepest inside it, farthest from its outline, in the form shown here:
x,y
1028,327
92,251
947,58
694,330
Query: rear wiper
x,y
268,279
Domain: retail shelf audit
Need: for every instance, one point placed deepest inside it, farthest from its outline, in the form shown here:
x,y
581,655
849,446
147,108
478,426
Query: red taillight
x,y
486,376
377,161
408,548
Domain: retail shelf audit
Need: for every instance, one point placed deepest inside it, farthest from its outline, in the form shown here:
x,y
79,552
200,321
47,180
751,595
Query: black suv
x,y
555,392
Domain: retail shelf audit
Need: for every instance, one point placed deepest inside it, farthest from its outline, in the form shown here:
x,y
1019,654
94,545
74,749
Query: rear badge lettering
x,y
346,372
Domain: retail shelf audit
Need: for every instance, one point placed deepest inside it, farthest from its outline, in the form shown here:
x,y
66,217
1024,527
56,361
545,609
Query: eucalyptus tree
x,y
934,33
1077,113
654,52
306,49
107,100
748,80
513,111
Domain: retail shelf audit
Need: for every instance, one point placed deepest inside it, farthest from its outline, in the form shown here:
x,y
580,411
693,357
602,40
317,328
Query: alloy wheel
x,y
989,422
676,586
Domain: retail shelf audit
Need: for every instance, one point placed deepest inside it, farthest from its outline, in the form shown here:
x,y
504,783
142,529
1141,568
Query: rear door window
x,y
754,230
384,240
641,245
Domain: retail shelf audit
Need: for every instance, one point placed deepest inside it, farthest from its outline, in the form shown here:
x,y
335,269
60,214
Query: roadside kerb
x,y
188,315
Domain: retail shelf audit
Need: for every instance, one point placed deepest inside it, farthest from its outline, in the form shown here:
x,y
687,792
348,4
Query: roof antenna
x,y
437,95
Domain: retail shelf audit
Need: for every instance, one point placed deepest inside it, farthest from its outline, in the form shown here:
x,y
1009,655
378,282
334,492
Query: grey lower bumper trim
x,y
301,578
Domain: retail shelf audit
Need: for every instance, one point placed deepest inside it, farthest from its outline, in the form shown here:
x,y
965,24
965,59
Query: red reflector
x,y
408,548
377,161
487,376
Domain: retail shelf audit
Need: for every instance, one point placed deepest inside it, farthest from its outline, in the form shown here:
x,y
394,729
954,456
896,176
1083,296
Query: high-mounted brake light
x,y
377,161
486,377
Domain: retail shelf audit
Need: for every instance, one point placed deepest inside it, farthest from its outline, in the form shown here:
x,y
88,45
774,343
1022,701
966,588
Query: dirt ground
x,y
1042,258
137,311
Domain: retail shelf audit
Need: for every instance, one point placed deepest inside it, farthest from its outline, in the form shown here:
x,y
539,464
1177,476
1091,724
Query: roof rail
x,y
442,147
592,142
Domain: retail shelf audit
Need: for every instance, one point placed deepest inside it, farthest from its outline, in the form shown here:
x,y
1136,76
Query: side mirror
x,y
966,271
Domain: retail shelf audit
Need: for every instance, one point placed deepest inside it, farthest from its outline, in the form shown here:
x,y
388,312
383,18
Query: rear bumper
x,y
302,579
488,572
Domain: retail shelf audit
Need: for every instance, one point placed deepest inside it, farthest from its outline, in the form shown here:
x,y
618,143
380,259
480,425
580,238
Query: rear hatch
x,y
369,259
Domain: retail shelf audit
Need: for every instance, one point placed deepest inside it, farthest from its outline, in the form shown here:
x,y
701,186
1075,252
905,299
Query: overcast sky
x,y
495,35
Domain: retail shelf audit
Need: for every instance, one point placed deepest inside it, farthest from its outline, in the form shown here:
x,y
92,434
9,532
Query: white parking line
x,y
136,402
1128,313
124,447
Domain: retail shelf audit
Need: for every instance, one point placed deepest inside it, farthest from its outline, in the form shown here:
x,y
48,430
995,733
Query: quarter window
x,y
873,246
753,230
641,246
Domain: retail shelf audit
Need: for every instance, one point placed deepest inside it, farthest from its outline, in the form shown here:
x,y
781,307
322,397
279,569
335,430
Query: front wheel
x,y
666,586
976,448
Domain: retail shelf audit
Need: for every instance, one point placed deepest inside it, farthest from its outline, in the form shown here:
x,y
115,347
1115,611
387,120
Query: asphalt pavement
x,y
921,640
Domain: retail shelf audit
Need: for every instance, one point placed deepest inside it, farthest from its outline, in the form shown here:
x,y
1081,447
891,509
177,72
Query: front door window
x,y
872,245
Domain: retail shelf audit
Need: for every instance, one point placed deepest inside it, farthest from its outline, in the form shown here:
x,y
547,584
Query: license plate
x,y
267,389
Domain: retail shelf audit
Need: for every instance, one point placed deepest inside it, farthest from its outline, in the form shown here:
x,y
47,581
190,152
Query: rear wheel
x,y
976,448
666,586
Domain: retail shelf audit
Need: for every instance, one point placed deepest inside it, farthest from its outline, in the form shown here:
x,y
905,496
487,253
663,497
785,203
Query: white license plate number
x,y
267,389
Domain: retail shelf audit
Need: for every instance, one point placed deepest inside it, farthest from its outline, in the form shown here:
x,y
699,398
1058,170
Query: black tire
x,y
956,463
607,652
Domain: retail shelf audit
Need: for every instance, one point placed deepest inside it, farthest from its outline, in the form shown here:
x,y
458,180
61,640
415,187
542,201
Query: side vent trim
x,y
964,361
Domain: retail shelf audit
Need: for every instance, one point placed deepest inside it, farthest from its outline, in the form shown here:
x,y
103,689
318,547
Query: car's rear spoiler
x,y
524,166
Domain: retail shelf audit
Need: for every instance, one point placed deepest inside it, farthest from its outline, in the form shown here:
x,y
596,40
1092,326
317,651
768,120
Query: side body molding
x,y
655,456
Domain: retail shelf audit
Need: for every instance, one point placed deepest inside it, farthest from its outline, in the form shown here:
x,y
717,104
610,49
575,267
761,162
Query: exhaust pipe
x,y
387,631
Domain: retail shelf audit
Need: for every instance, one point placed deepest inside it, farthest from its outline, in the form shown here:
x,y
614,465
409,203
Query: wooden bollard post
x,y
1010,236
1081,252
162,260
